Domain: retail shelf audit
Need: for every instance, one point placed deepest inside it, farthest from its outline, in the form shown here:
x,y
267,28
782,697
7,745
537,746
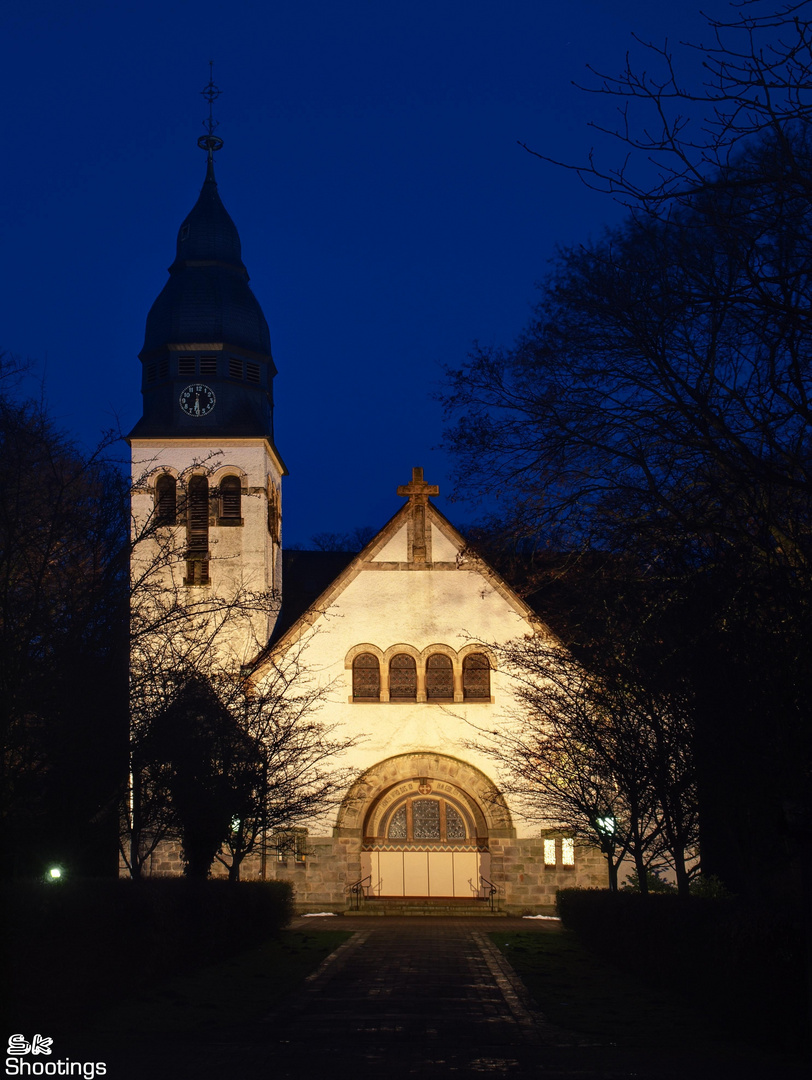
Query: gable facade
x,y
400,640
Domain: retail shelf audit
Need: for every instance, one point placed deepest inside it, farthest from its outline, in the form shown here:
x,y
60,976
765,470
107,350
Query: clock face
x,y
197,399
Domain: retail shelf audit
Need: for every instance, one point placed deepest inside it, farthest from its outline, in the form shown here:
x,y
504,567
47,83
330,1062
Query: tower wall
x,y
240,603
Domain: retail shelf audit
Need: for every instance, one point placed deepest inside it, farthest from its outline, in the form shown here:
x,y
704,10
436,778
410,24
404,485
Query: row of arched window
x,y
229,499
194,513
437,678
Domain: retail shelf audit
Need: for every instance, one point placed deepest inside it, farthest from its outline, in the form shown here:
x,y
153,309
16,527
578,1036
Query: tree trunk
x,y
642,872
612,873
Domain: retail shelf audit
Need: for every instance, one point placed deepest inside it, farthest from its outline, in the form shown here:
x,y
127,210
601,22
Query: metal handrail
x,y
492,891
357,891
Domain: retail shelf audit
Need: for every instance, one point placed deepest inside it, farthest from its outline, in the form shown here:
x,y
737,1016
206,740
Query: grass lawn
x,y
581,994
219,997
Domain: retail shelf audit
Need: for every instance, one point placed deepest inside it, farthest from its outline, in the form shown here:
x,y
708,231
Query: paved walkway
x,y
422,997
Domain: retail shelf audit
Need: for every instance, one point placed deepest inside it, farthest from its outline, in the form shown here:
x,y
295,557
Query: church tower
x,y
206,473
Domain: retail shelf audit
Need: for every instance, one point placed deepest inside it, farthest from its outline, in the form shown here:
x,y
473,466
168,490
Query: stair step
x,y
401,907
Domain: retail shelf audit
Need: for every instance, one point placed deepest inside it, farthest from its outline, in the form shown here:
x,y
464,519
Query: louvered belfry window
x,y
197,532
476,677
402,678
230,498
166,500
439,678
366,677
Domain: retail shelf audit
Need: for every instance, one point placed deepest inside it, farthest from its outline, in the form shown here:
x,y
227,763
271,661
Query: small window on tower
x,y
166,500
234,368
549,852
163,368
197,532
152,371
187,365
208,365
251,372
568,851
230,500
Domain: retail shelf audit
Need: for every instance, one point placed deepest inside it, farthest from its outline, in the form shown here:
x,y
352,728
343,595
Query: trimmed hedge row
x,y
71,945
745,965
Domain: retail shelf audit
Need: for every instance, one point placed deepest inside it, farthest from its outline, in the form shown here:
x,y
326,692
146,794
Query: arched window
x,y
476,677
197,531
419,819
402,678
166,499
230,499
439,678
366,678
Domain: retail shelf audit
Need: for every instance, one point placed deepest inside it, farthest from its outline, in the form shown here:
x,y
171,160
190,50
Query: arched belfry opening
x,y
425,823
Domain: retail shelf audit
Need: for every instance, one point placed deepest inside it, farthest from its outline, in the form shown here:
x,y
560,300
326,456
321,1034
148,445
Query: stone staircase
x,y
418,905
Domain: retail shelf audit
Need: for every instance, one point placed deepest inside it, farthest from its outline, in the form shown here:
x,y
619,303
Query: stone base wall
x,y
329,866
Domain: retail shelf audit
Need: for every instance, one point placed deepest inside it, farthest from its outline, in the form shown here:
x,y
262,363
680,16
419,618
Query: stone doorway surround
x,y
415,866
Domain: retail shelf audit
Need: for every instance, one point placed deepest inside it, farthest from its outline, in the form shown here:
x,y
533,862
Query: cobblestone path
x,y
419,997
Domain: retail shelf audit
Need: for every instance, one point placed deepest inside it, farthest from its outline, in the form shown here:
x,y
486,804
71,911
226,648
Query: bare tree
x,y
62,632
598,754
681,134
657,409
264,760
298,775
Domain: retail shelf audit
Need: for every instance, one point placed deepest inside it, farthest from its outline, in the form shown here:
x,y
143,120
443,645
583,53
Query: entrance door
x,y
424,873
428,847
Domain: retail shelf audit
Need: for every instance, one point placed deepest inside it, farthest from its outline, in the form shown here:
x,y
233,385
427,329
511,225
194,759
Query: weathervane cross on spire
x,y
210,142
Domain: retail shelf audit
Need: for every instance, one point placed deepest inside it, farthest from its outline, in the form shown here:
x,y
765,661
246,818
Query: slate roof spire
x,y
206,321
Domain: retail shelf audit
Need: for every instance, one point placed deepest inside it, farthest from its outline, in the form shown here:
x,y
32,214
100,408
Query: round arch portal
x,y
424,822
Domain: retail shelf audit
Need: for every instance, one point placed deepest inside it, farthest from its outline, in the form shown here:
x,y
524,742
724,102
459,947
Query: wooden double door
x,y
433,872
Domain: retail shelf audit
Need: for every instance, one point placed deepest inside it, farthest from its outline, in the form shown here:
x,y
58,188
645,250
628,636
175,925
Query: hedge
x,y
745,964
70,945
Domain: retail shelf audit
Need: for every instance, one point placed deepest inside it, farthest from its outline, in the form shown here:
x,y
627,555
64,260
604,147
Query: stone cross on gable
x,y
418,486
418,492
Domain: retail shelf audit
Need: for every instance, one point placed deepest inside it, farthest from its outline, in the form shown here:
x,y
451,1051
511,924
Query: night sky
x,y
388,217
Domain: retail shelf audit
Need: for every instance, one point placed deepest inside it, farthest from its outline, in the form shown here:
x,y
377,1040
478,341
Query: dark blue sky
x,y
388,217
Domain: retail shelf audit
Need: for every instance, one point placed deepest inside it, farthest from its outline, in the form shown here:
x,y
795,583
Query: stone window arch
x,y
230,501
402,678
166,499
366,677
439,677
476,677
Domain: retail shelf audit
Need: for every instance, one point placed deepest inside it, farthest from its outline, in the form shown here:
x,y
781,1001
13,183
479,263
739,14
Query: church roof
x,y
305,576
207,297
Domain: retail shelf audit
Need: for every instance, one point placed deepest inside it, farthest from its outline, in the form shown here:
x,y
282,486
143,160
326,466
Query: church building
x,y
399,631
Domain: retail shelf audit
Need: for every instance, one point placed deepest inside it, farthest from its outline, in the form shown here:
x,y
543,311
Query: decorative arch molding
x,y
410,650
222,471
192,471
358,650
376,790
160,470
438,647
474,647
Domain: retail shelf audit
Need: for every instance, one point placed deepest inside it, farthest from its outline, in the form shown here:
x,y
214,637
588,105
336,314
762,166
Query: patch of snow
x,y
316,914
552,918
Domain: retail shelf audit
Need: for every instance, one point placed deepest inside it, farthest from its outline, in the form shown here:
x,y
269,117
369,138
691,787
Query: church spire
x,y
206,328
210,142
